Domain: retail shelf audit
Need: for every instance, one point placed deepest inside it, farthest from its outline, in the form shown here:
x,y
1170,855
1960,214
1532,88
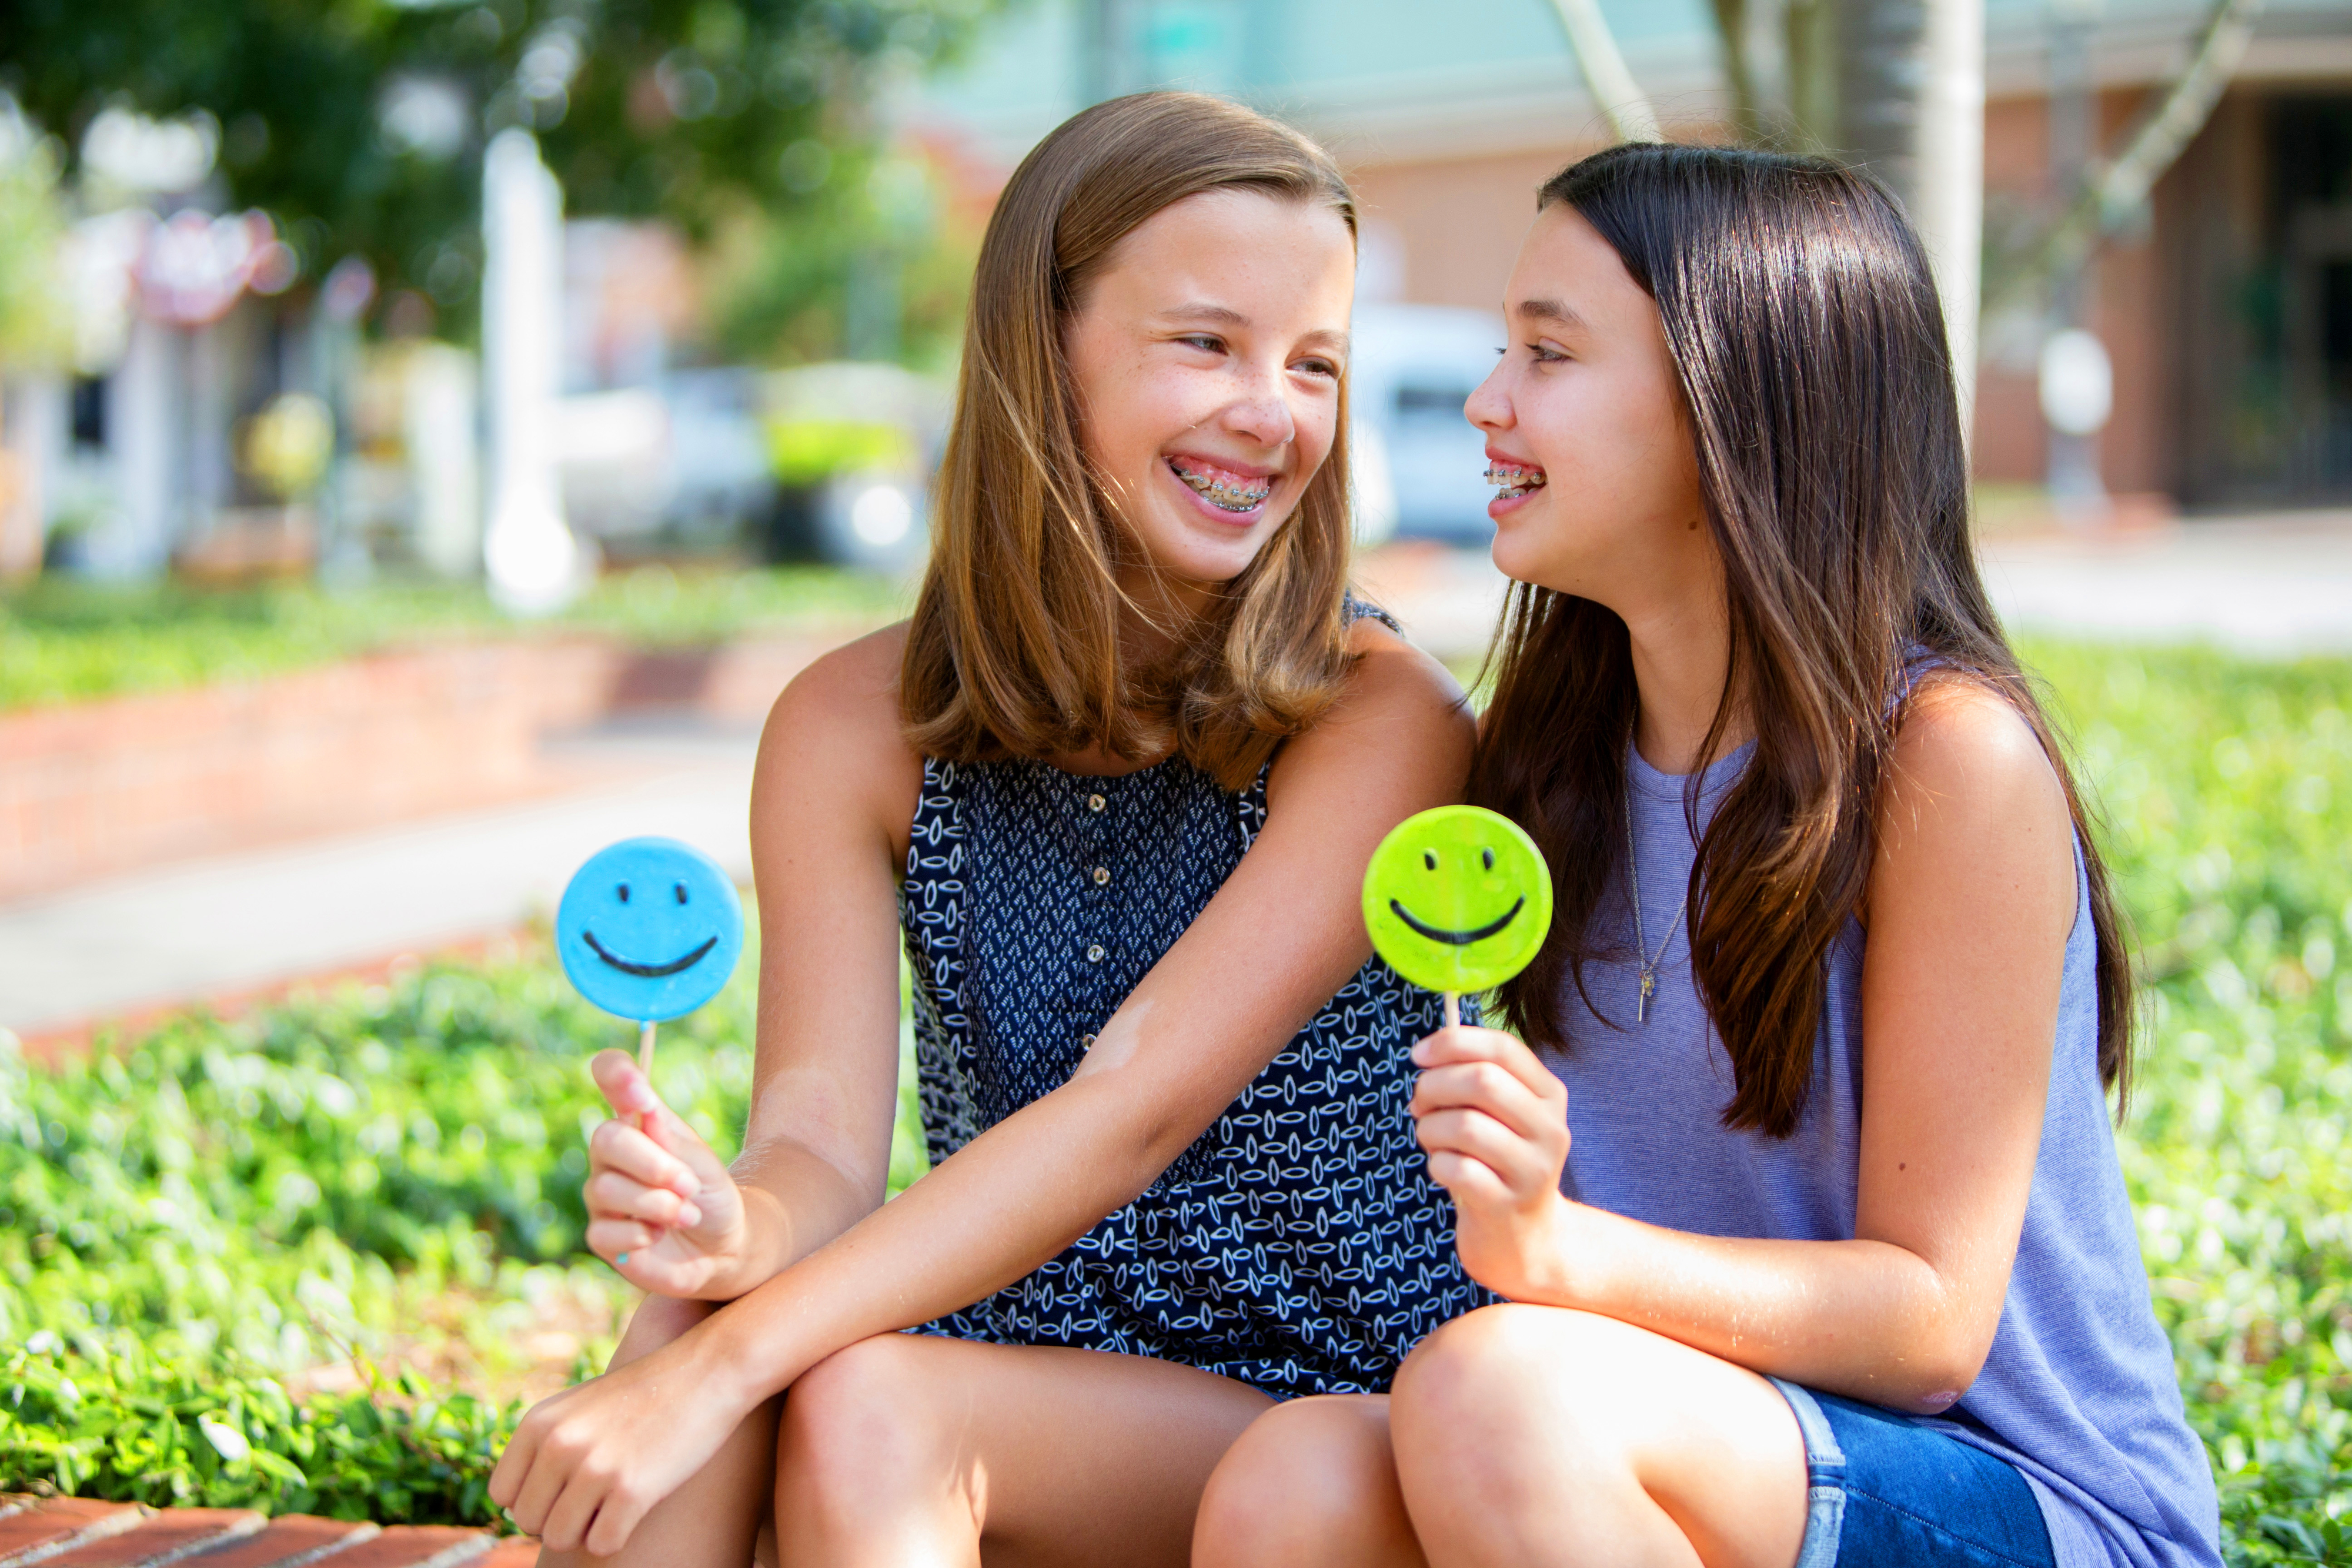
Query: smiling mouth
x,y
1513,479
1226,492
656,971
1452,938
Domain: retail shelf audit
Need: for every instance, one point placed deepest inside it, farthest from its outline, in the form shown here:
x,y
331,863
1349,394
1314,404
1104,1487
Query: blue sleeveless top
x,y
2079,1391
1299,1246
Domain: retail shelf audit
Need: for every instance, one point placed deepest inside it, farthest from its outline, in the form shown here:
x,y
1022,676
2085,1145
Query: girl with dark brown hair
x,y
1172,1173
1801,1190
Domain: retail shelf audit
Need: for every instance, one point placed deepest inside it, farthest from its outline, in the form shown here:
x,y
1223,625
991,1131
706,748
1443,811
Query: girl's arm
x,y
1971,903
832,796
1284,933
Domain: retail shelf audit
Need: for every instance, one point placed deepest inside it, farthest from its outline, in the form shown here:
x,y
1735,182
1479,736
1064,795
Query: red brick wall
x,y
107,785
2127,314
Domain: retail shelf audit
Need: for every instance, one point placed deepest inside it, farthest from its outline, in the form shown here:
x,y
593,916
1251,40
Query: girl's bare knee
x,y
1308,1482
854,1423
1476,1392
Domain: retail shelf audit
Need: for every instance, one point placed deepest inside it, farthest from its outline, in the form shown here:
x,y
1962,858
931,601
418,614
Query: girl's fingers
x,y
619,1146
610,1238
626,1089
1463,1043
1520,1164
514,1464
1489,1087
569,1519
612,1195
541,1484
1471,1183
617,1520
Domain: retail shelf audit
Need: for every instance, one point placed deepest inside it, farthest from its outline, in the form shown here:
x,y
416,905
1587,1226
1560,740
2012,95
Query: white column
x,y
1949,203
33,421
534,564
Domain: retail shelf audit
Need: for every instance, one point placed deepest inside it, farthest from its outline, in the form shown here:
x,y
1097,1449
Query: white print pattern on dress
x,y
1298,1245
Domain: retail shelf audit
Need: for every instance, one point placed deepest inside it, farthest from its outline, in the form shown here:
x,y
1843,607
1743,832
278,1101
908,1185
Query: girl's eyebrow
x,y
1202,310
1550,310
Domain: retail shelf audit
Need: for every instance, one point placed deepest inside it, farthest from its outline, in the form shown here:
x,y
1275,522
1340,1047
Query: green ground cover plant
x,y
2227,787
65,641
194,1223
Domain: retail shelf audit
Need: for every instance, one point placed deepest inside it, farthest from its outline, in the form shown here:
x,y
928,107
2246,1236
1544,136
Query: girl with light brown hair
x,y
1112,788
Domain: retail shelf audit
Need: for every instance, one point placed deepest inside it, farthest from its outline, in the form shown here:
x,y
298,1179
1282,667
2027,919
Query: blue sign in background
x,y
649,928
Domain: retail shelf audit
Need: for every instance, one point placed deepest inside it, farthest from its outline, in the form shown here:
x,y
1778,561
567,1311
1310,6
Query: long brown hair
x,y
1014,647
1810,348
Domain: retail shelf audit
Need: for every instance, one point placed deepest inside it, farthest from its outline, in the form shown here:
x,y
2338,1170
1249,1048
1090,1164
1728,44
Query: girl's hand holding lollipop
x,y
1459,899
650,929
662,1208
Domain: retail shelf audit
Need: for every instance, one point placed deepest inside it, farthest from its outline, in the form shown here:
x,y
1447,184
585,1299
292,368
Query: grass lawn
x,y
218,1240
66,641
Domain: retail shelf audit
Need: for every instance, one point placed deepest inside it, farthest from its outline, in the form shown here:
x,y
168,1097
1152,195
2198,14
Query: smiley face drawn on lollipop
x,y
1457,899
649,928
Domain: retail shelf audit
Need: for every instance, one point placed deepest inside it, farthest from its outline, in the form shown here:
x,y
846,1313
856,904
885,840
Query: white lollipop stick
x,y
645,1066
1452,1010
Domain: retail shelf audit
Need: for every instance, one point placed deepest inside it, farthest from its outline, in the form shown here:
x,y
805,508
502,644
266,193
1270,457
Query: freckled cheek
x,y
1316,427
1125,435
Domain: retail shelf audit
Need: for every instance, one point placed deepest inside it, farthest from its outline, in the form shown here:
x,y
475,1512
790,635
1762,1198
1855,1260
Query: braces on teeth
x,y
1513,480
1224,496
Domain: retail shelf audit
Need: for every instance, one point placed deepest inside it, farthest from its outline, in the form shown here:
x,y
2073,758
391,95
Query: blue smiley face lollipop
x,y
649,929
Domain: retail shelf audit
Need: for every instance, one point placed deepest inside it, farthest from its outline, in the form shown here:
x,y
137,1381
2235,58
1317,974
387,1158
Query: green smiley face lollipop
x,y
1457,899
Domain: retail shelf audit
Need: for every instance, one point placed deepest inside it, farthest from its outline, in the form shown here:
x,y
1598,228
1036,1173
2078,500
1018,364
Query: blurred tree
x,y
33,320
875,264
359,124
33,327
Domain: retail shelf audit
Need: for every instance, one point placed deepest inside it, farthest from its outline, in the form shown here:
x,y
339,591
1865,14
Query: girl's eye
x,y
1319,368
1544,353
1203,342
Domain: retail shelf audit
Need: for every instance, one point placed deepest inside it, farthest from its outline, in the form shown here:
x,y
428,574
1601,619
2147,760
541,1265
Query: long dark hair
x,y
1810,348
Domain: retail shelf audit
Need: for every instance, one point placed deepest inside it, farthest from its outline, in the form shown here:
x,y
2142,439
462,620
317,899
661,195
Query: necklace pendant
x,y
1641,1005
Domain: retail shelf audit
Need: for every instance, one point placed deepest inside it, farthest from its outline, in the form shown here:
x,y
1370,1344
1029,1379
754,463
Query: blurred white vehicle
x,y
1411,370
683,462
853,447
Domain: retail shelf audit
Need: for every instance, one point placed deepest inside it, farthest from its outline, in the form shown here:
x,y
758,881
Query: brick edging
x,y
82,1533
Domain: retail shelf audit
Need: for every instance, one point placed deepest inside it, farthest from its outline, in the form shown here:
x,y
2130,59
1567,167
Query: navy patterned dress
x,y
1299,1246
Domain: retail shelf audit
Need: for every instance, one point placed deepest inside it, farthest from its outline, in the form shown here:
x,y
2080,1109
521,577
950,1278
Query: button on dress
x,y
1298,1245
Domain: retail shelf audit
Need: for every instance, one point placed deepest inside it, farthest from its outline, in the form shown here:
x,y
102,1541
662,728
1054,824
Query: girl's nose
x,y
1489,408
1262,414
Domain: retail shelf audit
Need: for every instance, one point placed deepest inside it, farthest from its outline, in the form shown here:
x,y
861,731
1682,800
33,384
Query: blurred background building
x,y
2224,304
244,290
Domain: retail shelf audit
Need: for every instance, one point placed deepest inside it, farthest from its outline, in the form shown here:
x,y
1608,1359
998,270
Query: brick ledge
x,y
82,1533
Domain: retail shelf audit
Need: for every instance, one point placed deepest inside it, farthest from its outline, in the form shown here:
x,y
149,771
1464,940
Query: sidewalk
x,y
238,923
2273,586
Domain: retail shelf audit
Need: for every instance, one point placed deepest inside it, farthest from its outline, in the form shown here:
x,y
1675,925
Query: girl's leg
x,y
914,1451
1535,1436
712,1519
1310,1485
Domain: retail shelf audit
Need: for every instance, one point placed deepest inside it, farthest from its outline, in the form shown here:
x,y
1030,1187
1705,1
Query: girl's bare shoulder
x,y
1394,679
1400,714
834,734
852,687
1959,741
